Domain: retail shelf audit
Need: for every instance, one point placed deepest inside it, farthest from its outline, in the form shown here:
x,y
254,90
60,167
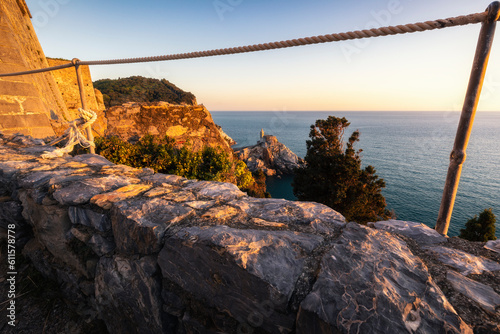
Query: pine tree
x,y
480,229
332,174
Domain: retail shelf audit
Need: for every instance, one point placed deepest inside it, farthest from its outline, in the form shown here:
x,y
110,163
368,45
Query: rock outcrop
x,y
187,125
270,156
154,253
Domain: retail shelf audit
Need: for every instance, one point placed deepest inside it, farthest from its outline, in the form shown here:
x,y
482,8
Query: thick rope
x,y
358,34
74,134
40,70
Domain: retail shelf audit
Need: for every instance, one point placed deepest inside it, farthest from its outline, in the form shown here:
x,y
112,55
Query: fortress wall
x,y
68,86
28,104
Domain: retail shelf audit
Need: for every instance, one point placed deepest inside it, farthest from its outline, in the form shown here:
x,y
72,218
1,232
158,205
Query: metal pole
x,y
476,80
90,135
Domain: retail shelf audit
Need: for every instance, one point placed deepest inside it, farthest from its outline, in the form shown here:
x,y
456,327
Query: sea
x,y
409,150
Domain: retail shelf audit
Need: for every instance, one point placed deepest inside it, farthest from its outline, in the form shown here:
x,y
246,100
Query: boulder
x,y
360,291
249,274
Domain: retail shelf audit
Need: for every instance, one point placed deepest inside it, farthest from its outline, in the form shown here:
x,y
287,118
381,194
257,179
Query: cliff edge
x,y
186,124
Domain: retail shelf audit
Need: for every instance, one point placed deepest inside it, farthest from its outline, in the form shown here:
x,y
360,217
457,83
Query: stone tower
x,y
30,104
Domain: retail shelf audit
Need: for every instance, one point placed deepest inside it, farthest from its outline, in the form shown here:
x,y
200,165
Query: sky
x,y
426,71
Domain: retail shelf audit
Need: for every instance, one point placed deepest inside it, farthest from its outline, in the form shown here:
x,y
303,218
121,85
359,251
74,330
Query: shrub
x,y
480,228
160,154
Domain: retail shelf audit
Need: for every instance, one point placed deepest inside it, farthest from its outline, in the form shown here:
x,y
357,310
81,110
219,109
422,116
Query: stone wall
x,y
30,104
154,253
68,86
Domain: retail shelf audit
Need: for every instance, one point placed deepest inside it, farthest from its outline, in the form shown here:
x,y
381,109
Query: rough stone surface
x,y
359,290
81,192
493,245
68,86
128,295
235,270
482,294
423,234
140,252
464,262
183,123
270,156
87,217
139,227
100,245
29,104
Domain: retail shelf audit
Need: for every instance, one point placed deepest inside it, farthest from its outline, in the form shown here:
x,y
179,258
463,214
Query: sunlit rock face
x,y
154,253
360,291
186,124
270,156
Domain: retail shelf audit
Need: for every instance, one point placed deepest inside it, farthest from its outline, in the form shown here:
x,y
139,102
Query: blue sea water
x,y
410,151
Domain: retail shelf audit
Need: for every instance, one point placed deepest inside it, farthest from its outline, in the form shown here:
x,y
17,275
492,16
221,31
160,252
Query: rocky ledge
x,y
270,156
154,253
186,124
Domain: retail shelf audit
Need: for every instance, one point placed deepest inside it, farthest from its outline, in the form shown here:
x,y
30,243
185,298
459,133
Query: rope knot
x,y
74,134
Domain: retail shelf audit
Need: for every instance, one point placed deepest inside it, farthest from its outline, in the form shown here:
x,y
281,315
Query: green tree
x,y
480,229
332,174
140,89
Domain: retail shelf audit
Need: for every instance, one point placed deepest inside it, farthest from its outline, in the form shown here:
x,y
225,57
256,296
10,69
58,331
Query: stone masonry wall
x,y
154,253
68,86
29,104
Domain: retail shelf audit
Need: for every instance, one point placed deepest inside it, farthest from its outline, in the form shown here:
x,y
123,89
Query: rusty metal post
x,y
90,135
458,154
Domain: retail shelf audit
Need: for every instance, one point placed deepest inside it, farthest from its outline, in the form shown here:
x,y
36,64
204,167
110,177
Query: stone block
x,y
7,38
9,132
81,192
493,245
464,262
245,273
9,107
128,295
11,68
87,217
37,120
3,21
13,121
17,89
36,125
33,104
139,226
41,132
